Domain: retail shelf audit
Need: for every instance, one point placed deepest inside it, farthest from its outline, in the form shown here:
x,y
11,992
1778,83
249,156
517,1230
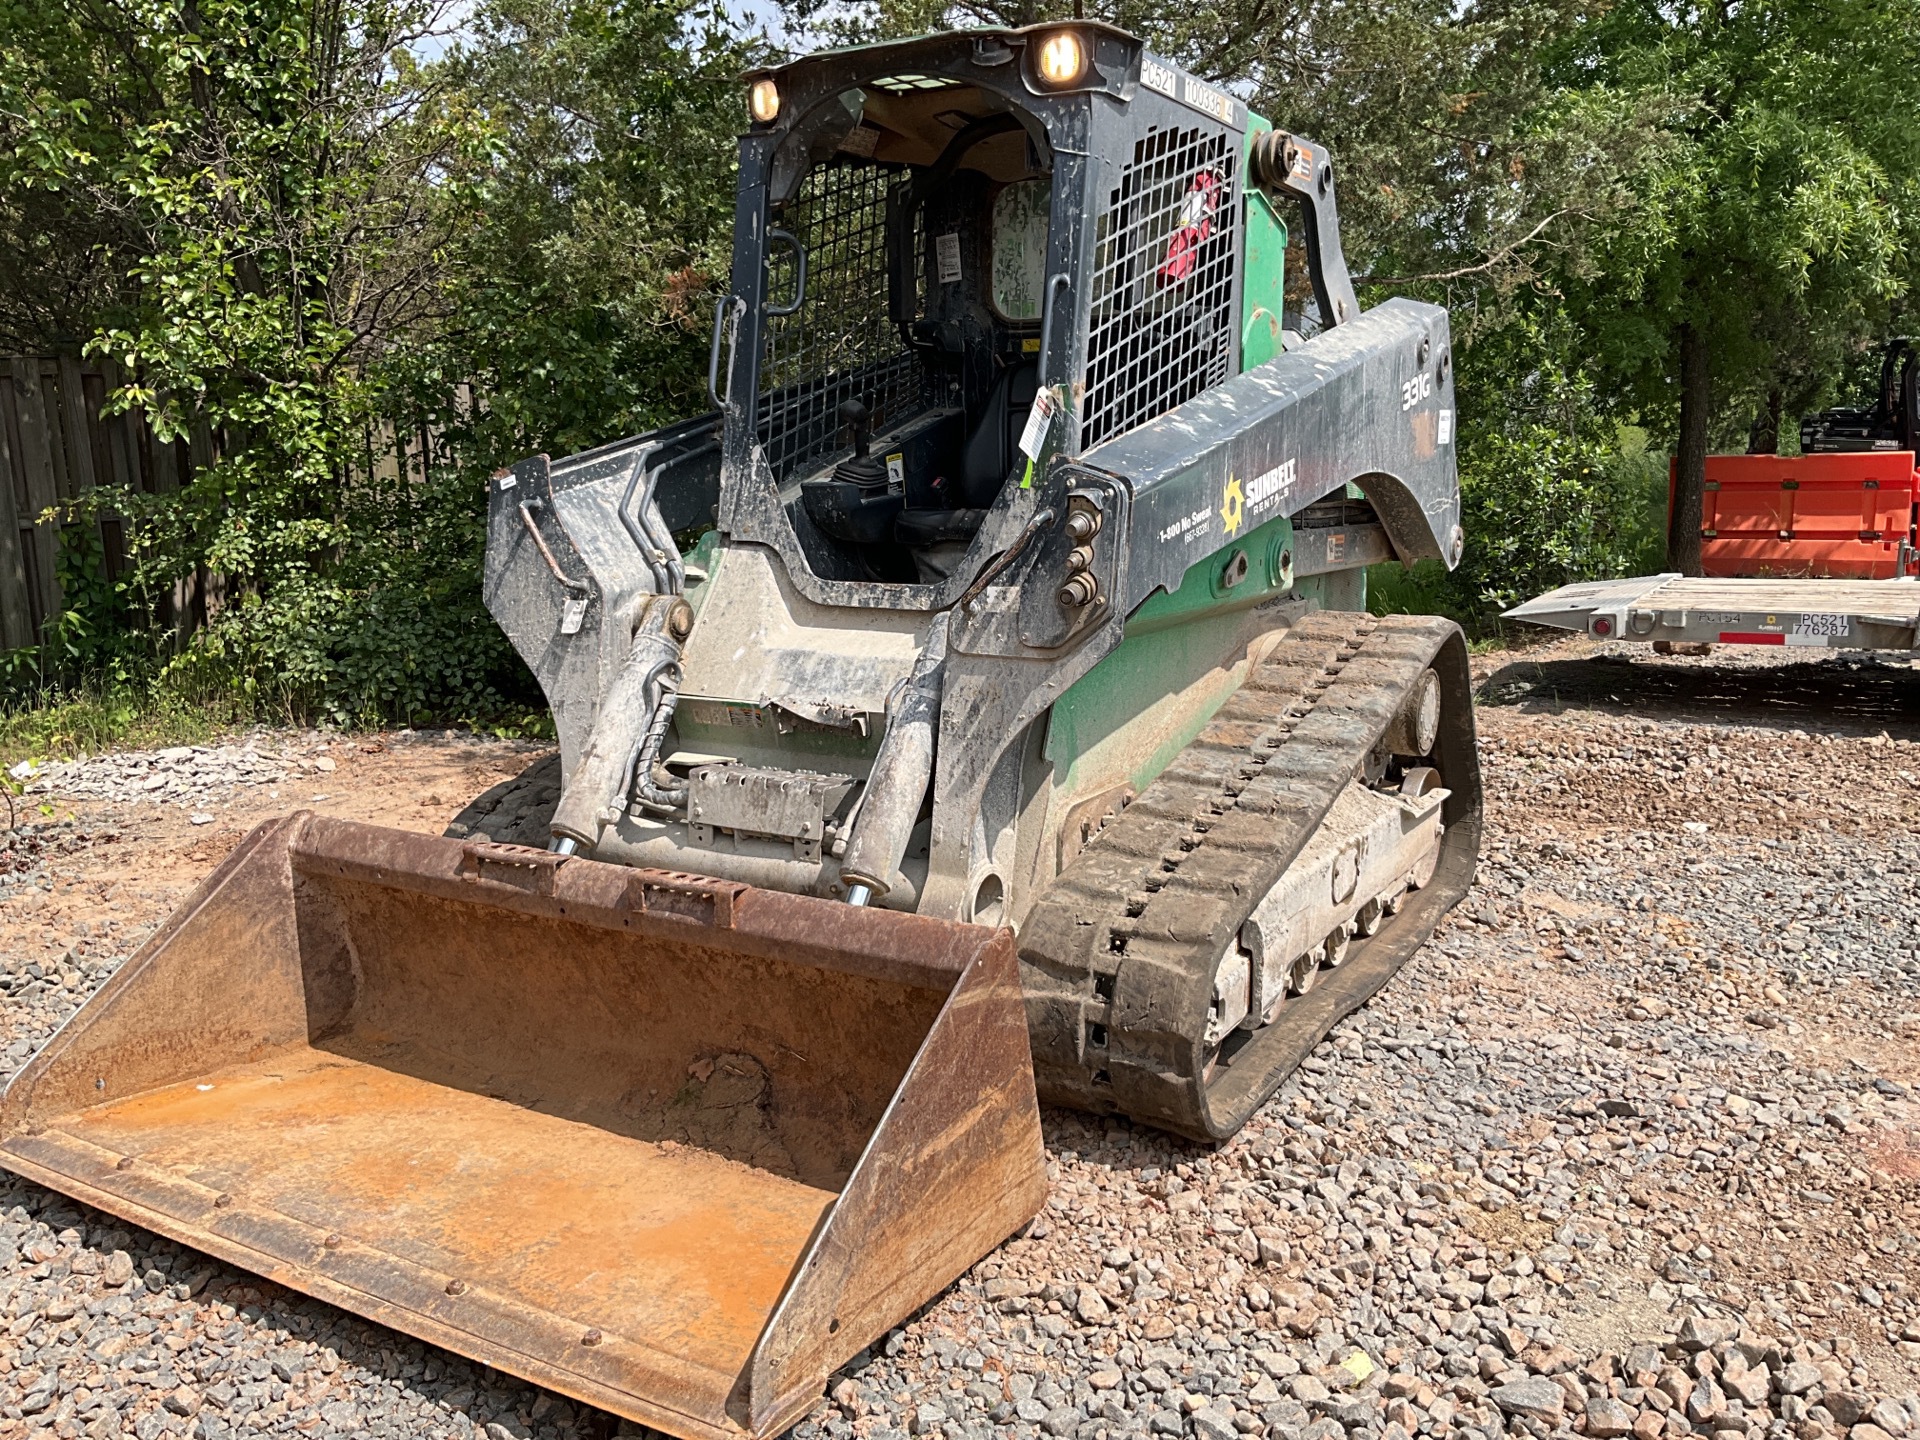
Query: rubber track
x,y
1117,955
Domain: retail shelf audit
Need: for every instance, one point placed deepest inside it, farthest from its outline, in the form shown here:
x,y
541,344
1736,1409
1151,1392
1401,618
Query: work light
x,y
1063,58
763,100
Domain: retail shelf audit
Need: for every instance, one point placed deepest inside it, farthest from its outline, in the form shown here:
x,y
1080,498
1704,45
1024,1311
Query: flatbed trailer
x,y
1673,609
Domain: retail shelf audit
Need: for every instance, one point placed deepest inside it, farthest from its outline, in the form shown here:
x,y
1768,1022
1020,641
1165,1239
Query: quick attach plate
x,y
778,804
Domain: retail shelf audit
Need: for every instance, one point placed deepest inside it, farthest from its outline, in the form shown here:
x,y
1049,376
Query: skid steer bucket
x,y
675,1147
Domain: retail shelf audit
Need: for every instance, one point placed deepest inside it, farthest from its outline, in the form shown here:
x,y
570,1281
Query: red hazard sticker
x,y
1197,210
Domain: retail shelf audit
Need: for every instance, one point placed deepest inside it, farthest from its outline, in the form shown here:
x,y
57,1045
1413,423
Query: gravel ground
x,y
193,776
1632,1150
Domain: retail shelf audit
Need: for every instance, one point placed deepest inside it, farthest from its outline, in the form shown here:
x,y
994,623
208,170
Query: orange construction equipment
x,y
1845,508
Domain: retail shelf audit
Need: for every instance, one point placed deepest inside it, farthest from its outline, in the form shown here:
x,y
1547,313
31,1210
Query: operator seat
x,y
986,460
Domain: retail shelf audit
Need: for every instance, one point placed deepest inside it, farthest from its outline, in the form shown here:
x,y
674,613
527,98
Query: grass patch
x,y
1418,589
1425,588
60,724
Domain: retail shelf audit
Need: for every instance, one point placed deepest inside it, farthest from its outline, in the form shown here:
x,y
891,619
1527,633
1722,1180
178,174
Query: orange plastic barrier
x,y
1839,516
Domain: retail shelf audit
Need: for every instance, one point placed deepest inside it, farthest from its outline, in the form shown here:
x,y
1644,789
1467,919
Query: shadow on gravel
x,y
1862,696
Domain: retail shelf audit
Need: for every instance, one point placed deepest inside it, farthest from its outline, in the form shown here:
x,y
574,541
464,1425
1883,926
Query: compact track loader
x,y
1014,588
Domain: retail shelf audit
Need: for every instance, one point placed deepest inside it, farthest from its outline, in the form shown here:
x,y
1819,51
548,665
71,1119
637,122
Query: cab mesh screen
x,y
840,345
1163,287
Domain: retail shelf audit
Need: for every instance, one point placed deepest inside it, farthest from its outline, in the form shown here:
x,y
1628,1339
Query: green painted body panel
x,y
1126,719
1269,552
1087,729
1176,644
1263,266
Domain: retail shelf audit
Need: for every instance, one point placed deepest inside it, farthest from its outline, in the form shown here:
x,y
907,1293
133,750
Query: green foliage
x,y
1779,216
580,288
266,171
357,284
1543,507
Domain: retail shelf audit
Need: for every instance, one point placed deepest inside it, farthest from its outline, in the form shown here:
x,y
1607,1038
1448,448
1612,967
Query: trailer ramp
x,y
1671,608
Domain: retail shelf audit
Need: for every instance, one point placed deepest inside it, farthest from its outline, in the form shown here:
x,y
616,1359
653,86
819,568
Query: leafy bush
x,y
1543,508
322,244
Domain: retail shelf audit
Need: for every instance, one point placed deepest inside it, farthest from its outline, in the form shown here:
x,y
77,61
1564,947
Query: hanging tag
x,y
1039,421
573,615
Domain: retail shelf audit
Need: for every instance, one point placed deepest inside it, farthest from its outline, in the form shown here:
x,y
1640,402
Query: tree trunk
x,y
1764,436
1690,471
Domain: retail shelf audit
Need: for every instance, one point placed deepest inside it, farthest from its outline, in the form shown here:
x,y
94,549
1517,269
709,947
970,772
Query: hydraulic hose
x,y
622,753
653,784
648,529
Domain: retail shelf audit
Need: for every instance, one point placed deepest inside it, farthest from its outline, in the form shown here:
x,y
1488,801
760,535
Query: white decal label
x,y
1039,421
1444,435
1208,101
509,480
573,615
1199,520
897,469
946,254
1161,77
1273,486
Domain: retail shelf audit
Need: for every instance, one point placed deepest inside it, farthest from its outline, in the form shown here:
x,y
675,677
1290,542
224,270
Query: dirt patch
x,y
1896,1153
1507,1228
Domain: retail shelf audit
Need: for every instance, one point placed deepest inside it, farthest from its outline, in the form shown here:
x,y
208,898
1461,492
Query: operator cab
x,y
906,249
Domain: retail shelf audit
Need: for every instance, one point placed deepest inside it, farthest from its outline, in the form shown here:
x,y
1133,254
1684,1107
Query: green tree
x,y
358,282
63,101
578,294
1772,233
260,171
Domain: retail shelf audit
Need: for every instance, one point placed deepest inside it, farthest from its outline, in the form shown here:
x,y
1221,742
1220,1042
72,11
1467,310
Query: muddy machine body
x,y
979,702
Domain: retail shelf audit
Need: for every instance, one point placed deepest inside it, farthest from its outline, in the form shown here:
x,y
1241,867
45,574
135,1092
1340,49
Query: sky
x,y
762,15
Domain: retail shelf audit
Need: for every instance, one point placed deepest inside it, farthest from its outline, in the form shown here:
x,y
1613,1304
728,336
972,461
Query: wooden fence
x,y
54,445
